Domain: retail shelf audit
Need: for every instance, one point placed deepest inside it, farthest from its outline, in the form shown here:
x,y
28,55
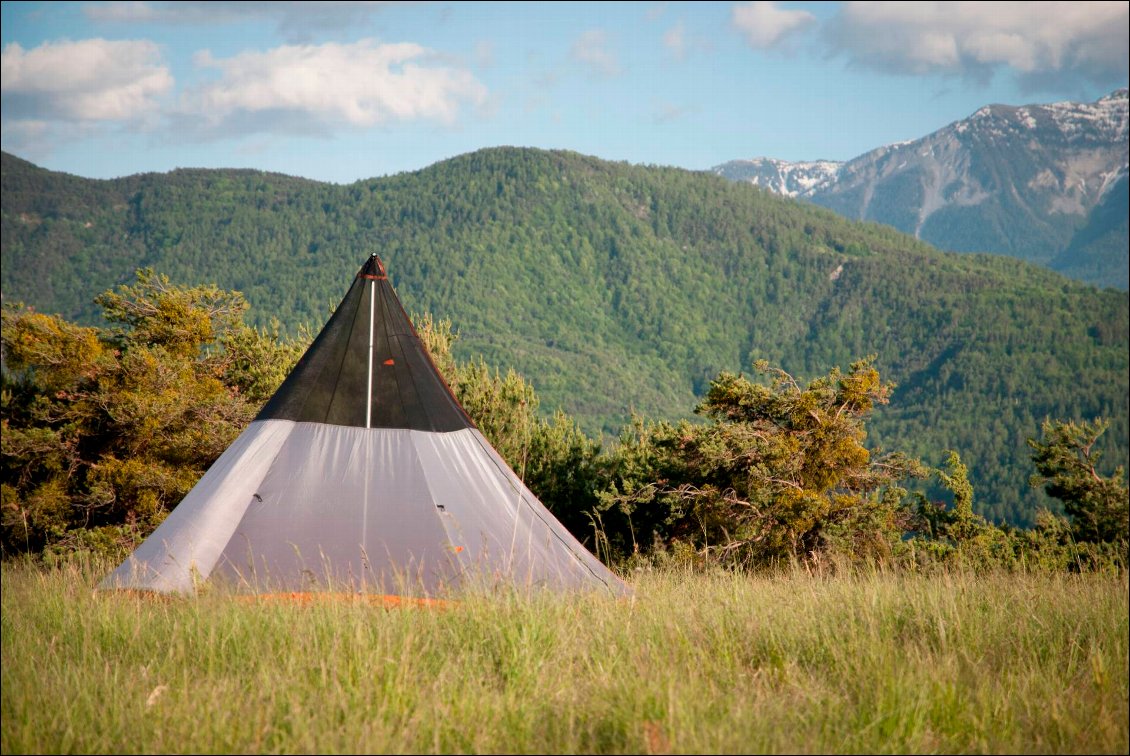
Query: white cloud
x,y
591,49
765,25
90,80
1034,40
318,88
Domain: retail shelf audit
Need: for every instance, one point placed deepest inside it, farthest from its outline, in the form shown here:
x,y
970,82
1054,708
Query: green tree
x,y
155,313
106,429
958,535
962,523
1067,467
780,471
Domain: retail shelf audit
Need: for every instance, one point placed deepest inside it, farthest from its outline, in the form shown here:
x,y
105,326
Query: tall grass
x,y
717,663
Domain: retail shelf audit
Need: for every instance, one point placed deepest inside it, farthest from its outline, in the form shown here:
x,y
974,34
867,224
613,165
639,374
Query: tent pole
x,y
369,393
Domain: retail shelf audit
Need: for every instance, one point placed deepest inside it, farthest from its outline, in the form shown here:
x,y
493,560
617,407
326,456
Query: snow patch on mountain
x,y
799,179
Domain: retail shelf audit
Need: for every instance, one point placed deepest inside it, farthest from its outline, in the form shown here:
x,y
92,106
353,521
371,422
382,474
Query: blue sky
x,y
344,91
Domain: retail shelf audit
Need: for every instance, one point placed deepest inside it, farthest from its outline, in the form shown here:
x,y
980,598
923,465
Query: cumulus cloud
x,y
765,25
92,80
591,49
296,20
319,88
973,39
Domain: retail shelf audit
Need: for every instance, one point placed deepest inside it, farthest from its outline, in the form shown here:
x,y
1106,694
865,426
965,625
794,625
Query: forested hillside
x,y
614,289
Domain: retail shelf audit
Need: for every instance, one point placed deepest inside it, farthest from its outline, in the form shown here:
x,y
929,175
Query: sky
x,y
346,91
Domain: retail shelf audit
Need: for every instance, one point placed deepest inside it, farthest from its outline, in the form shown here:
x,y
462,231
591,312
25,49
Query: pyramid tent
x,y
364,474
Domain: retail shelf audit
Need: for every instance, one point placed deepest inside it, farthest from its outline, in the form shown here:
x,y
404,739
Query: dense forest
x,y
615,290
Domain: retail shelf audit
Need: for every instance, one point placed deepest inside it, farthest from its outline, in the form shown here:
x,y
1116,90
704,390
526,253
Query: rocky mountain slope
x,y
1038,182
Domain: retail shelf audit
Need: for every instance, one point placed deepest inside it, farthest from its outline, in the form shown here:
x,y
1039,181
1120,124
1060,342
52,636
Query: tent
x,y
363,474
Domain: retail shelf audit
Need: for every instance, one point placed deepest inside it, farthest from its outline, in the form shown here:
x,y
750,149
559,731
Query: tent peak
x,y
373,269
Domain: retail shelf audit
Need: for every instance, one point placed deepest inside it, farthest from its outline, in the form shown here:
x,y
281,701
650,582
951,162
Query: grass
x,y
719,663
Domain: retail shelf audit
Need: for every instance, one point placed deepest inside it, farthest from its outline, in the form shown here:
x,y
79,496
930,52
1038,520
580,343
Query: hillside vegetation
x,y
614,289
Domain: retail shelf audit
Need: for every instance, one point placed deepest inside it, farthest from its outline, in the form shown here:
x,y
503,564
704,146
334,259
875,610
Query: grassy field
x,y
692,664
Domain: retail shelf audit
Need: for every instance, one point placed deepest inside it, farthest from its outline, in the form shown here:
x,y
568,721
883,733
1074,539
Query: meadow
x,y
795,662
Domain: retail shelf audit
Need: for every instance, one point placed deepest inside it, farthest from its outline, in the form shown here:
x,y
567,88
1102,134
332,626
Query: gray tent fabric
x,y
418,504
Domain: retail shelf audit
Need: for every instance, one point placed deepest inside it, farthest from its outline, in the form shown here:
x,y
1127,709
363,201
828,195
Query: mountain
x,y
1045,183
614,289
782,177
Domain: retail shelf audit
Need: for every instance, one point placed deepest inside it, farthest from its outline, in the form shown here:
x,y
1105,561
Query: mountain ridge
x,y
1015,180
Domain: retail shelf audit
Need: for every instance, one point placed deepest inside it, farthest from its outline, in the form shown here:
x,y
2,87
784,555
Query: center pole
x,y
369,393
